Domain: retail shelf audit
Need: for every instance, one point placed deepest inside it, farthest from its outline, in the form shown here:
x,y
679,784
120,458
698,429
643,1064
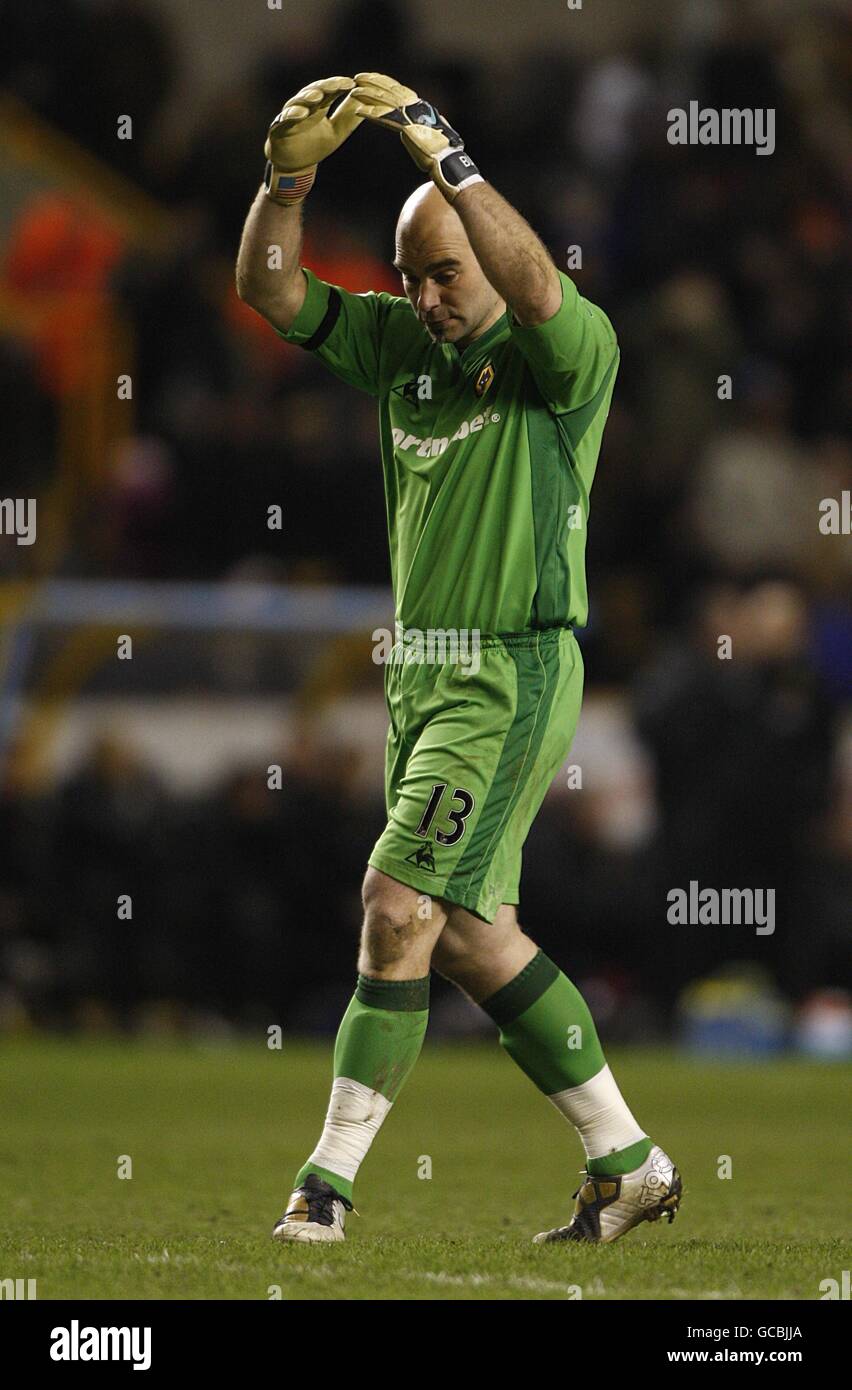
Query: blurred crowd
x,y
233,907
123,904
712,263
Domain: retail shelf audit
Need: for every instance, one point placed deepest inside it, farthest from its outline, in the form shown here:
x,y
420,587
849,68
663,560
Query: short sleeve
x,y
344,330
572,356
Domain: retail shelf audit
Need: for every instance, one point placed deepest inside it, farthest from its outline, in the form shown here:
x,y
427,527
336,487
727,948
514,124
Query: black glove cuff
x,y
458,169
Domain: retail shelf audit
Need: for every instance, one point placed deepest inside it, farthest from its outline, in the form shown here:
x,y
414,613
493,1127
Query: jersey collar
x,y
472,357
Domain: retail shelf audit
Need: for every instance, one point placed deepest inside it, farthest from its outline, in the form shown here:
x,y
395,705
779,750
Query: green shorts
x,y
469,760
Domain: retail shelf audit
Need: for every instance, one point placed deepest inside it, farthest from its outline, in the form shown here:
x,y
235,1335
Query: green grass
x,y
215,1134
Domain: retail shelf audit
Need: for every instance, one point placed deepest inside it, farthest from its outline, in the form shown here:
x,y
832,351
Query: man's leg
x,y
379,1039
546,1028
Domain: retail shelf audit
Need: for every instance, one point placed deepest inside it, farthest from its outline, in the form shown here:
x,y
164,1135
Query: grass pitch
x,y
215,1134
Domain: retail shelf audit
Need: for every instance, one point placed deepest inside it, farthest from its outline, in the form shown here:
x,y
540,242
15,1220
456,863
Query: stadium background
x,y
252,647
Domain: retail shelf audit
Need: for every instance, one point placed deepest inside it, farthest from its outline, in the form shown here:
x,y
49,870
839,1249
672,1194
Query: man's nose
x,y
429,297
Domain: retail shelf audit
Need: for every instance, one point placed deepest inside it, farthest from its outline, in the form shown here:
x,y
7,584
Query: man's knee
x,y
482,957
451,955
399,926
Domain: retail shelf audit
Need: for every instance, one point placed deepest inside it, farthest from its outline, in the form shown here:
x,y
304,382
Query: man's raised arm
x,y
276,294
300,136
513,258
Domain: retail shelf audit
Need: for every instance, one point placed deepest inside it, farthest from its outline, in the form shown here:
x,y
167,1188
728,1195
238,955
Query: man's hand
x,y
304,133
434,146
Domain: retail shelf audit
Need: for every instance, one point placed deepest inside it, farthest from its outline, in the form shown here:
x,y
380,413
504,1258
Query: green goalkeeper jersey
x,y
488,452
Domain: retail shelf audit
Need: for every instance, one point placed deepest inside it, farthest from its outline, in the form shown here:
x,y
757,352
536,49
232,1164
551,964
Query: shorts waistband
x,y
439,648
528,640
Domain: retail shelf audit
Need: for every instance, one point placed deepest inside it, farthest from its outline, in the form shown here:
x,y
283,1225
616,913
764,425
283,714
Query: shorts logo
x,y
422,857
484,380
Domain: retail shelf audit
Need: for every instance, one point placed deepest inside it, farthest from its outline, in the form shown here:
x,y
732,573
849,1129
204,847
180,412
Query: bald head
x,y
426,212
441,276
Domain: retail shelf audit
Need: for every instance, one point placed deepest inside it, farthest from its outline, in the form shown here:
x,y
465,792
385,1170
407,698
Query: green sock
x,y
621,1161
378,1042
547,1029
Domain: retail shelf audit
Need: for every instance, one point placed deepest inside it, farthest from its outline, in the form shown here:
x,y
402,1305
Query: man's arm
x,y
341,329
513,258
277,295
569,344
305,132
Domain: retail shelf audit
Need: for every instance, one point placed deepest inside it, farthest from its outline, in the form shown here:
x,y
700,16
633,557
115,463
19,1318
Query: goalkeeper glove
x,y
434,146
303,133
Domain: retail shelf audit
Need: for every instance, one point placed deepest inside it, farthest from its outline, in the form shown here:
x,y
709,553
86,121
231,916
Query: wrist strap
x,y
288,188
458,170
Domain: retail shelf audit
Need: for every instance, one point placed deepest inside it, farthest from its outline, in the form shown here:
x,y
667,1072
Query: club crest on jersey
x,y
484,380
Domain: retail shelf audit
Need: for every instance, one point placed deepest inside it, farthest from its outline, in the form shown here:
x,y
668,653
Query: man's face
x,y
443,280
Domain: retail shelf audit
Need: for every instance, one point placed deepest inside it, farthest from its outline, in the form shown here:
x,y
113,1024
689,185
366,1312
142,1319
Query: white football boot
x,y
609,1207
315,1212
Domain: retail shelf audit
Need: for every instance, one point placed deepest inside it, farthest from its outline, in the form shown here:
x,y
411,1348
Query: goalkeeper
x,y
493,379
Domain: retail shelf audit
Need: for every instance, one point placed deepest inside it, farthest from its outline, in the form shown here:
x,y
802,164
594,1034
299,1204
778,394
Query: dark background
x,y
116,256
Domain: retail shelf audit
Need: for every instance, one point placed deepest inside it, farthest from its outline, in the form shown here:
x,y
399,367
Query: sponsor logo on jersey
x,y
433,446
484,380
